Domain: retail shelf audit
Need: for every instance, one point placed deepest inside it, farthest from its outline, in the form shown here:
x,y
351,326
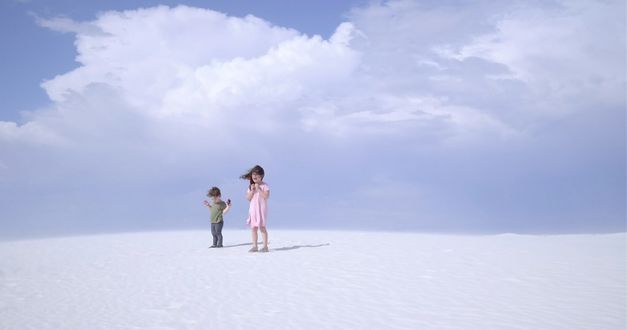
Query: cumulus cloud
x,y
420,100
568,54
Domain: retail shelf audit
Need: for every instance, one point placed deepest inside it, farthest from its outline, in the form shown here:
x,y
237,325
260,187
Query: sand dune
x,y
314,280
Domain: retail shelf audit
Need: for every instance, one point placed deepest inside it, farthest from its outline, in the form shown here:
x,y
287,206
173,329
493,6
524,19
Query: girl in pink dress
x,y
257,193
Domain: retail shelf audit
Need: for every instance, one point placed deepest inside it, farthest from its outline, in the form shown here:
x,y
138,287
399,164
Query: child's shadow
x,y
294,247
242,244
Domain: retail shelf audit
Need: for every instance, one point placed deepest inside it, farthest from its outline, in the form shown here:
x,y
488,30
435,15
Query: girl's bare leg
x,y
264,235
254,231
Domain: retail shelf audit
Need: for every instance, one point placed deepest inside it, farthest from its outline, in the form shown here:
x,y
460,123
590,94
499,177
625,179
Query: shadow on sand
x,y
287,248
242,244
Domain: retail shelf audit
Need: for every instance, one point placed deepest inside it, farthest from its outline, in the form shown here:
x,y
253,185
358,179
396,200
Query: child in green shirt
x,y
218,209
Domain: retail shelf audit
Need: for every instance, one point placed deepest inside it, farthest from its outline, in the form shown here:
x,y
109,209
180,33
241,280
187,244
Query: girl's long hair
x,y
249,175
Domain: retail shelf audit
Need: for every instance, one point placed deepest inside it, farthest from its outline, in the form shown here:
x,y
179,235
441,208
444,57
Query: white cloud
x,y
29,133
489,67
146,52
66,25
571,54
289,71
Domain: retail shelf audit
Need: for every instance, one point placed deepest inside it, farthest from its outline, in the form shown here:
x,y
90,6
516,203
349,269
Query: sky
x,y
433,116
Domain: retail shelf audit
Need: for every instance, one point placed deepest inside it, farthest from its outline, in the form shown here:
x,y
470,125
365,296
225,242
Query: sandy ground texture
x,y
314,280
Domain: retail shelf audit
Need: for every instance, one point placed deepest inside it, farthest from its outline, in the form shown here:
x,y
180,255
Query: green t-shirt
x,y
216,211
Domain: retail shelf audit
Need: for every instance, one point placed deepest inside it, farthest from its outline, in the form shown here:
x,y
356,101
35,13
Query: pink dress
x,y
258,210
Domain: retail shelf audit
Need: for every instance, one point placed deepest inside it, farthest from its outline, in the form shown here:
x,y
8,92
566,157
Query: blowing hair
x,y
249,175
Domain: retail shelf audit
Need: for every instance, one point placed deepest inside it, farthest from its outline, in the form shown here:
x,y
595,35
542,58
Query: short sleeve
x,y
265,187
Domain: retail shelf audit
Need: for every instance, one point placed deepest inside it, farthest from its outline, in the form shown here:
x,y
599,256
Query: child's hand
x,y
206,203
228,202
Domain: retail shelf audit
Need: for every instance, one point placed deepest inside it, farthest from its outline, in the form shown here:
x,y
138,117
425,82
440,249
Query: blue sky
x,y
473,117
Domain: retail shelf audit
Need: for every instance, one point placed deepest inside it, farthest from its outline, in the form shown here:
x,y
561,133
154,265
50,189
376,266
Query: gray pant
x,y
216,232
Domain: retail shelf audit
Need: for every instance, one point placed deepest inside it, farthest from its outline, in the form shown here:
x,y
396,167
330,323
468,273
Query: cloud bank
x,y
482,118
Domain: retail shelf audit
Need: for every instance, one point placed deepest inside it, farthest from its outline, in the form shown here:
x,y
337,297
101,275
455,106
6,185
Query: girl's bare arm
x,y
265,194
264,191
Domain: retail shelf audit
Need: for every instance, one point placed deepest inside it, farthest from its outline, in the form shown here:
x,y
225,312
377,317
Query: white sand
x,y
314,280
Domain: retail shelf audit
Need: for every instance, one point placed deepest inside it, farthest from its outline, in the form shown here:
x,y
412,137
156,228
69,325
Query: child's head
x,y
254,175
215,194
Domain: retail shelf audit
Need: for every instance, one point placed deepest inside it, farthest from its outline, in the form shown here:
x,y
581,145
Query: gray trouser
x,y
216,232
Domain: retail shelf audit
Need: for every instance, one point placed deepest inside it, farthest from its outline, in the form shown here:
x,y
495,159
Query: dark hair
x,y
249,175
214,192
